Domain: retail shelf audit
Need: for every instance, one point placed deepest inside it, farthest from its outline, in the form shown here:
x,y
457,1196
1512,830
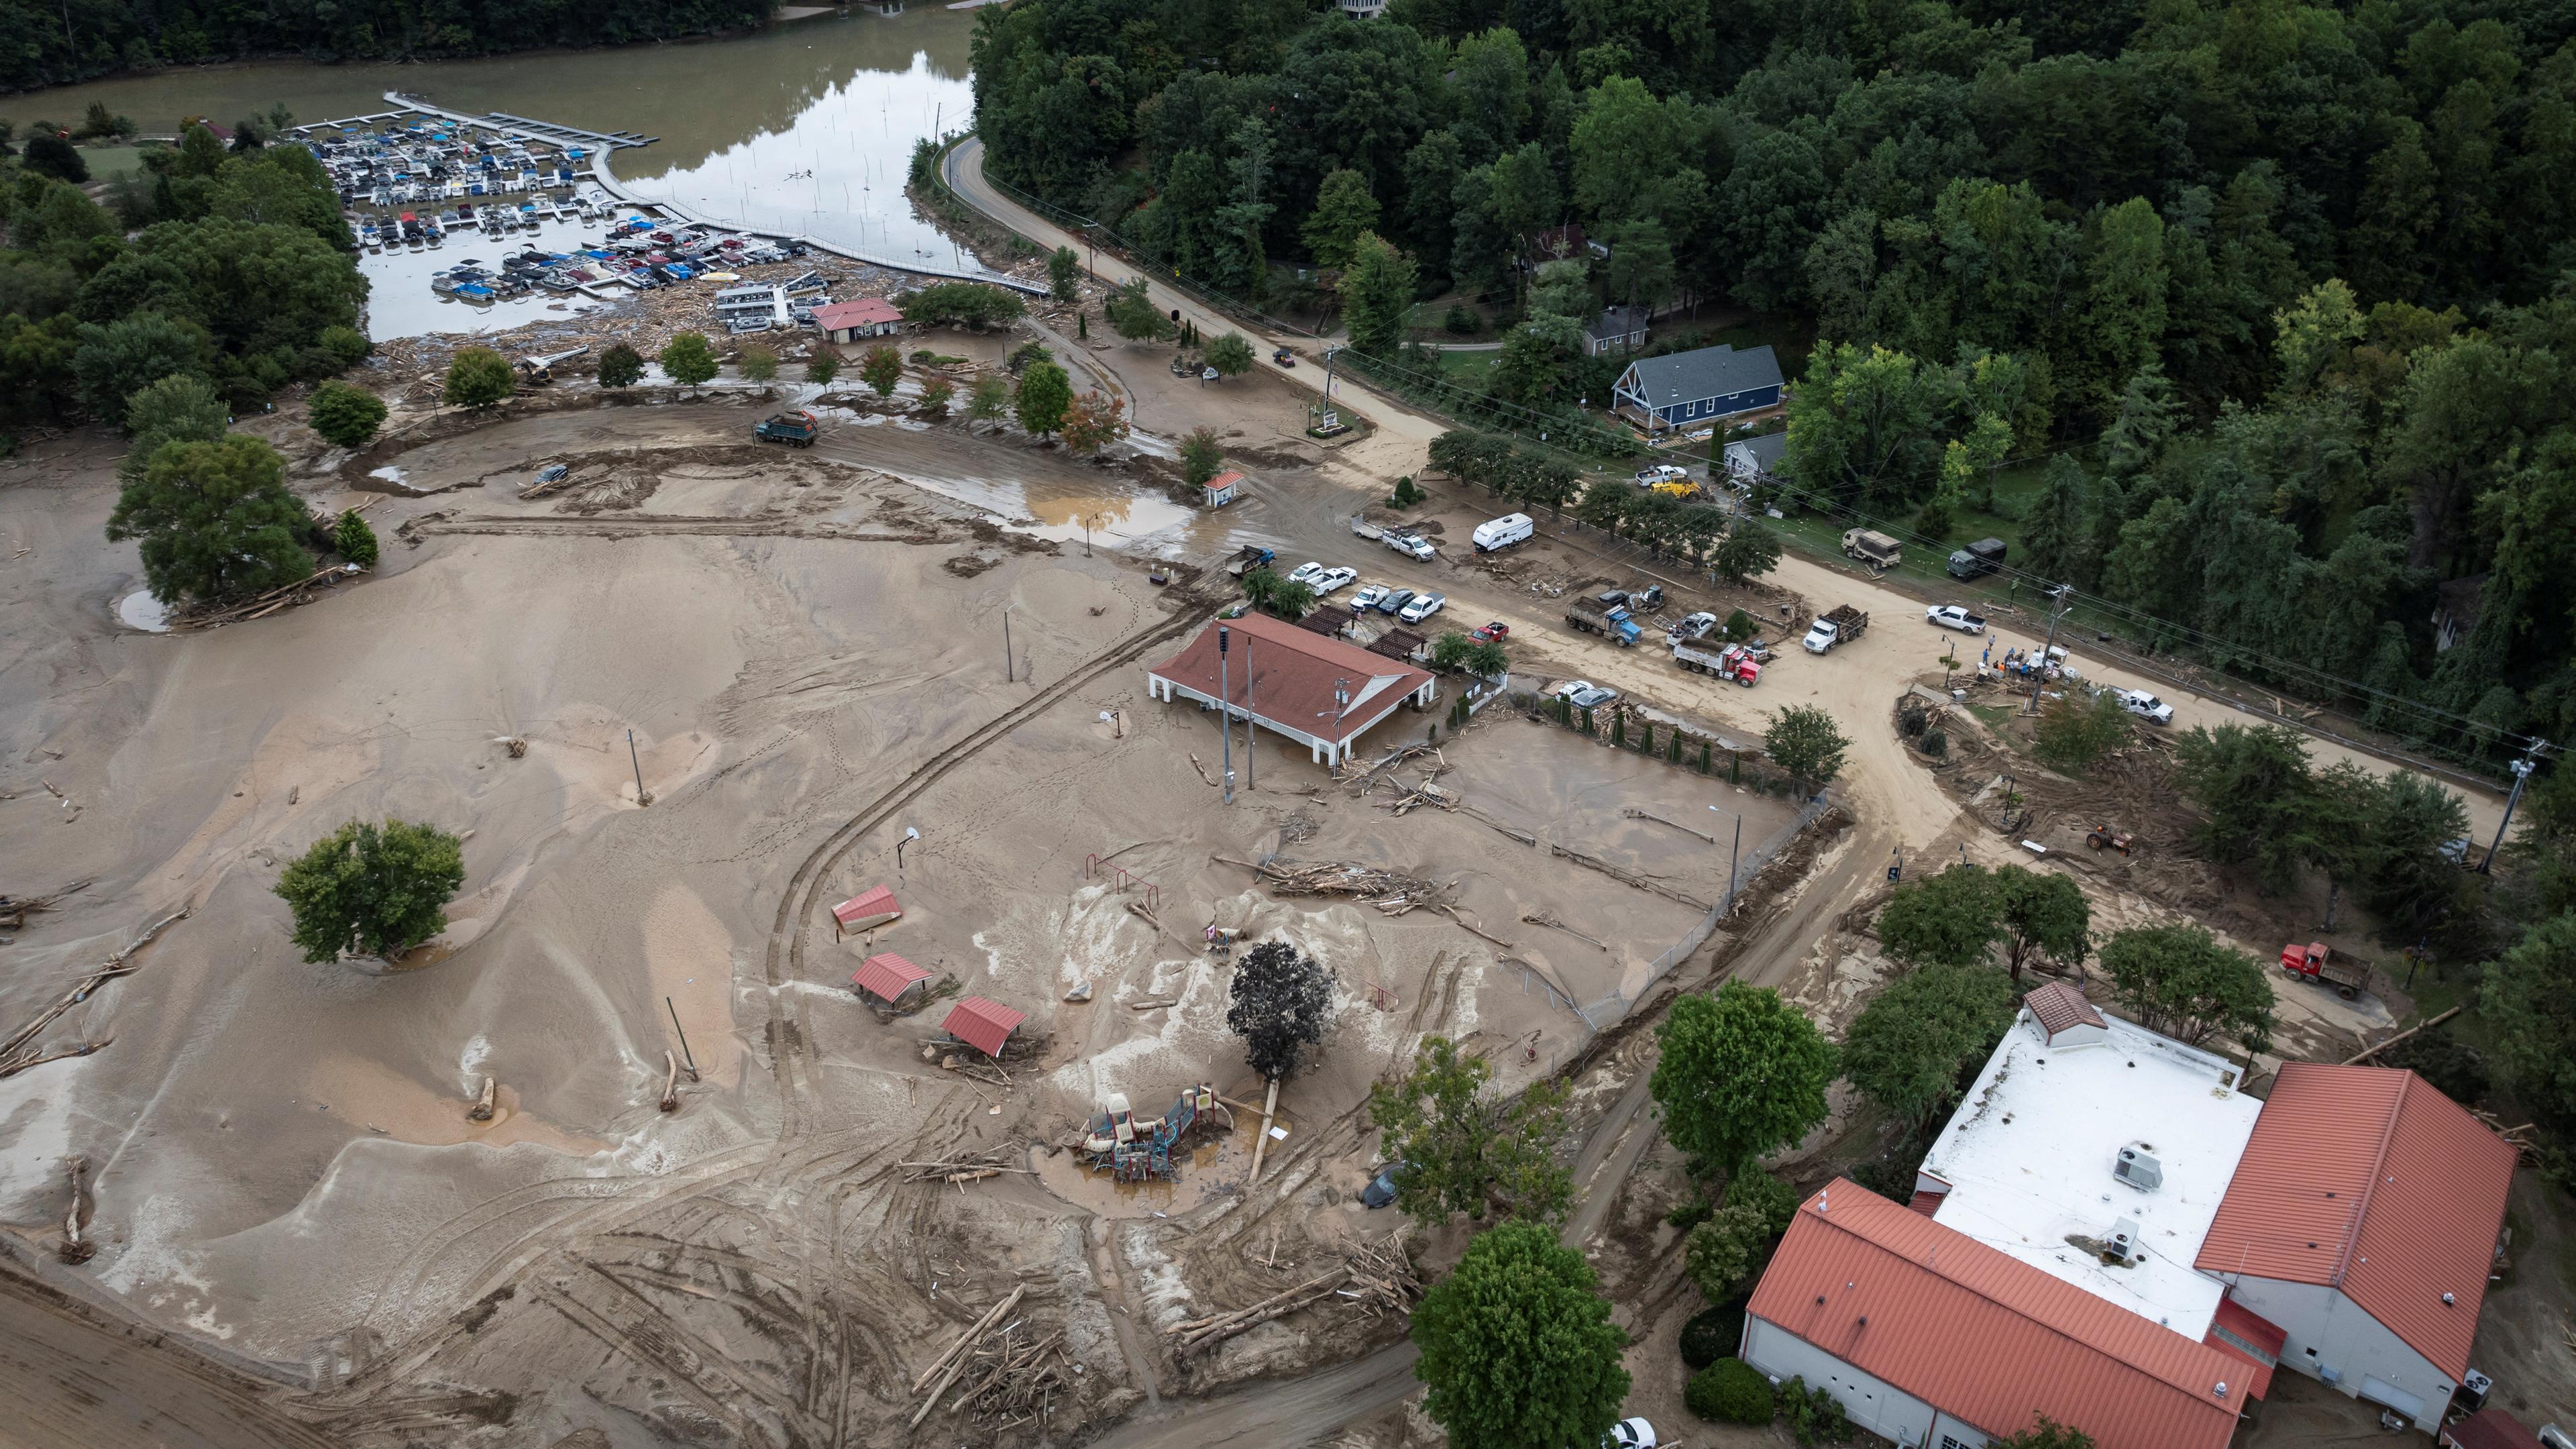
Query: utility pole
x,y
684,1039
1007,665
2522,769
1225,706
2040,675
1251,741
637,761
1734,861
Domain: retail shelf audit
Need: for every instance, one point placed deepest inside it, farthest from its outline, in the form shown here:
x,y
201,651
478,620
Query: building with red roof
x,y
2363,1220
2491,1429
1322,692
857,320
887,976
982,1024
1929,1337
865,911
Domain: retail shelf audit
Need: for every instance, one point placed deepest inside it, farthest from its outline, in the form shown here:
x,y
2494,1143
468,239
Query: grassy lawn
x,y
1469,369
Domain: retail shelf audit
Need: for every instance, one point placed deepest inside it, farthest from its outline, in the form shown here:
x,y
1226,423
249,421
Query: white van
x,y
1503,532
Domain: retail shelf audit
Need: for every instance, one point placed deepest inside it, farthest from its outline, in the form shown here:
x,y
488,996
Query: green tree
x,y
882,369
1132,313
214,519
2044,917
935,396
2178,980
623,366
823,367
1948,919
757,364
1908,1049
479,377
346,416
2411,878
2253,788
1748,551
374,891
1279,1002
1462,1149
1742,1073
2075,730
2529,997
977,304
353,540
50,155
1518,1350
1802,740
180,408
1724,1253
1064,274
1730,1391
990,399
1094,422
1344,207
122,358
1230,355
1202,456
1865,426
688,360
1045,396
1377,291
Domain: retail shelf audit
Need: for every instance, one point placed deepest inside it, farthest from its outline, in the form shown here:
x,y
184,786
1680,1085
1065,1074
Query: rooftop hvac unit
x,y
2122,1244
2139,1168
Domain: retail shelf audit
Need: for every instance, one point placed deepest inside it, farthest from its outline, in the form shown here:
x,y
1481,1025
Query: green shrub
x,y
1729,1391
1815,1416
1936,743
1688,1215
354,540
1712,1334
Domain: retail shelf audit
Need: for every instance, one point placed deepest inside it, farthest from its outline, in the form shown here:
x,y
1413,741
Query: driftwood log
x,y
481,1111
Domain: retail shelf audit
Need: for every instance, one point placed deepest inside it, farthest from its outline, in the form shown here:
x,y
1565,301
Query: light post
x,y
2521,775
2040,675
1734,860
1225,705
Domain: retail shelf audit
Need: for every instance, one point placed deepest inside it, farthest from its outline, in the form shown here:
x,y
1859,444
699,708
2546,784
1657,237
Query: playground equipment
x,y
1139,1149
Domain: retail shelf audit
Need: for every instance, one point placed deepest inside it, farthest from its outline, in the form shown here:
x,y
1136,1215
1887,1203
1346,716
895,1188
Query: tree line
x,y
55,44
2275,285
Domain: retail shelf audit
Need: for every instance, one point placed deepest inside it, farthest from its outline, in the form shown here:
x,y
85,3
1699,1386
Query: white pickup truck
x,y
1954,616
1403,540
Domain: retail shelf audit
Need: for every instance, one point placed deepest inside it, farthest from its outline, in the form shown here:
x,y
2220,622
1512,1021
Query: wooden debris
x,y
268,603
1382,1279
1390,892
1549,920
2367,1053
1202,769
1198,1333
964,1170
1634,813
670,1081
76,1248
16,1056
952,1362
1138,908
1471,930
14,909
481,1111
1153,1003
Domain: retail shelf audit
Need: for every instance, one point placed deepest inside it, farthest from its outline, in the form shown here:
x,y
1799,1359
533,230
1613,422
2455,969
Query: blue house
x,y
1695,389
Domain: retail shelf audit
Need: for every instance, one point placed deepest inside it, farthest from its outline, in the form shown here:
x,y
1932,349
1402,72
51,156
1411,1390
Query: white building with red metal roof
x,y
1319,691
2110,1232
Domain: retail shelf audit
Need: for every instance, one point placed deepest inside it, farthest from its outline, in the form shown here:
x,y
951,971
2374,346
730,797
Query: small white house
x,y
1222,489
1750,460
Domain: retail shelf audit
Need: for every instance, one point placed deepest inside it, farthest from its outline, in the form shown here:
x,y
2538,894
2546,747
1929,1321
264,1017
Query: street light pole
x,y
1225,706
1251,741
1734,860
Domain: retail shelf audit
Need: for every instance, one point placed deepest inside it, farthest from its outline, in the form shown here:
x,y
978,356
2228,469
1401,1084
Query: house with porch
x,y
1322,692
1697,389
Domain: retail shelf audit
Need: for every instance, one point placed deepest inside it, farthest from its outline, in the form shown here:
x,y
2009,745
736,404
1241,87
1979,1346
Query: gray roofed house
x,y
1685,389
1617,329
1751,459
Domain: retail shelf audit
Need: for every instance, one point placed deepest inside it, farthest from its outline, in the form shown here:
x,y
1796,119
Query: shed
x,y
982,1024
2065,1018
863,318
1222,489
1401,644
887,977
865,911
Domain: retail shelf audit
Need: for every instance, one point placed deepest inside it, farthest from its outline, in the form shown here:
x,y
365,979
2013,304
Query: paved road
x,y
69,1382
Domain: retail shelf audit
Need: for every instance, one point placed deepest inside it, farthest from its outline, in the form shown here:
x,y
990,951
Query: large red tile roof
x,y
1985,1337
2369,1180
1295,671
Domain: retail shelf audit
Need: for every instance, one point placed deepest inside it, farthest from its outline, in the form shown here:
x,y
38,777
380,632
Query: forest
x,y
2271,295
55,42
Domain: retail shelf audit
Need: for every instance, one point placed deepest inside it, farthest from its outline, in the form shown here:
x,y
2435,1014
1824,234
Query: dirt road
x,y
69,1381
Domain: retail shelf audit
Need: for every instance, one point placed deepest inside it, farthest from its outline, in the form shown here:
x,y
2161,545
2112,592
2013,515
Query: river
x,y
807,126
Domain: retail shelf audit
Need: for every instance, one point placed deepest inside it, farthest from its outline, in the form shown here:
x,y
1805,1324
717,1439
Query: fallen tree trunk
x,y
2367,1053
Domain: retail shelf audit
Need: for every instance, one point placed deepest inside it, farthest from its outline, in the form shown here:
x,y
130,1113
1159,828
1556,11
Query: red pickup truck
x,y
2315,962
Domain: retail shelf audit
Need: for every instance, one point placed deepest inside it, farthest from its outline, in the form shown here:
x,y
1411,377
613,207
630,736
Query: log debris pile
x,y
284,596
1013,1381
1377,1278
1391,892
966,1169
14,909
16,1053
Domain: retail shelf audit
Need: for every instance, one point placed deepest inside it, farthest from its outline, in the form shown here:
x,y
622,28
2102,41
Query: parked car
x,y
1306,573
1422,607
2144,705
1495,632
1660,473
1395,602
1583,694
1695,626
1381,1189
1369,596
1284,357
1332,579
1955,616
553,472
1629,1434
1412,545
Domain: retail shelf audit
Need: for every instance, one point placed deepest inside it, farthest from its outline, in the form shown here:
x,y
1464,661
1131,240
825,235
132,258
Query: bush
x,y
973,303
1712,1334
1815,1416
1936,743
480,377
1740,626
620,366
1728,1251
346,416
1687,1215
380,891
1730,1391
1460,320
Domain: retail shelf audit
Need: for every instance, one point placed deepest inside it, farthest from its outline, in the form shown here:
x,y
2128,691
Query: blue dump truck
x,y
796,429
1613,622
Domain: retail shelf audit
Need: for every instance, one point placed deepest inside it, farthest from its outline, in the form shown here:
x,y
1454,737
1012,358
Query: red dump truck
x,y
2315,962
